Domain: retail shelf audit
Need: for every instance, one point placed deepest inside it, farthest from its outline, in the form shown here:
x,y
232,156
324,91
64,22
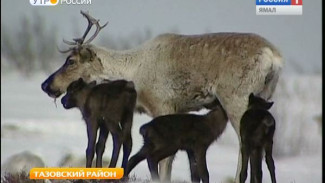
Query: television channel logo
x,y
44,2
278,7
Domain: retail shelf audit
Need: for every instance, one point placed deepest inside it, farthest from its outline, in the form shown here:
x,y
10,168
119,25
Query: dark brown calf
x,y
257,129
165,135
108,107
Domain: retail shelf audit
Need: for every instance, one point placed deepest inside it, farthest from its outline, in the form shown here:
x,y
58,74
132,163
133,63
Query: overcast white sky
x,y
298,37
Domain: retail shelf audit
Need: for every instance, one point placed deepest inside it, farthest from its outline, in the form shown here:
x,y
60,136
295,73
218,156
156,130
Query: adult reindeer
x,y
178,73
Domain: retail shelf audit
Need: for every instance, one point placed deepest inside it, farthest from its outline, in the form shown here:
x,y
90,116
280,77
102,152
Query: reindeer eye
x,y
71,62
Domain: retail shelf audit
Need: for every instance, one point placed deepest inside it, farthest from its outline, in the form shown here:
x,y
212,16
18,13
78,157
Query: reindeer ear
x,y
86,54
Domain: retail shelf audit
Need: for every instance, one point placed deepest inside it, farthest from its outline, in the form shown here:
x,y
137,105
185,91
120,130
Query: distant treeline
x,y
30,46
34,46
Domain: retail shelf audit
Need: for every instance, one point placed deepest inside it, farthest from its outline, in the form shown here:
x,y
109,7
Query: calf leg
x,y
117,142
100,146
200,156
92,135
256,165
193,166
269,160
126,124
245,158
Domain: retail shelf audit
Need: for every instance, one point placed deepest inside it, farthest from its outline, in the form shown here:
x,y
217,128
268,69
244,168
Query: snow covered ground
x,y
31,121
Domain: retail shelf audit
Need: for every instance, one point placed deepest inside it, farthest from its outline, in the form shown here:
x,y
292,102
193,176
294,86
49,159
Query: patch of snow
x,y
31,122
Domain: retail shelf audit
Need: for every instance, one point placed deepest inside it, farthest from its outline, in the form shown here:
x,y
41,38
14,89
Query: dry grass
x,y
23,177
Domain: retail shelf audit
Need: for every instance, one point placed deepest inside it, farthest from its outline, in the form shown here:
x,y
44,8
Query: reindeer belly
x,y
176,93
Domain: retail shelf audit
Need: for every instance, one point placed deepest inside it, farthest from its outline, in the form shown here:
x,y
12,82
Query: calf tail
x,y
130,85
143,131
267,122
136,159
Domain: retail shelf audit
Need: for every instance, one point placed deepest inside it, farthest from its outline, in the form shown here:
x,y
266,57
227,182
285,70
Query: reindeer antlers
x,y
81,41
91,21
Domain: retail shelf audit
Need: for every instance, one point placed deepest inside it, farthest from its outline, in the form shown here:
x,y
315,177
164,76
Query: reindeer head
x,y
81,62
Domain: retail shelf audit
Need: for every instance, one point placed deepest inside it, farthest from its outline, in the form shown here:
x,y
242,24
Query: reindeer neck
x,y
118,64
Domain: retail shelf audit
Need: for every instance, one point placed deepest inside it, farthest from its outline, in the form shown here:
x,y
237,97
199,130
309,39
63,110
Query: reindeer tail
x,y
275,64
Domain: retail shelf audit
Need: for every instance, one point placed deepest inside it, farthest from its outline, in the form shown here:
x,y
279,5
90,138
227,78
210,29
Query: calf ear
x,y
92,84
106,81
80,80
269,105
212,105
251,98
81,83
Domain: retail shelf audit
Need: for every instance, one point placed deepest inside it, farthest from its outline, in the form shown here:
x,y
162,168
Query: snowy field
x,y
31,121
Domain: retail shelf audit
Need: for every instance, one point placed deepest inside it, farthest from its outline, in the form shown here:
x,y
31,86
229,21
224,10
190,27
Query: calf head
x,y
75,93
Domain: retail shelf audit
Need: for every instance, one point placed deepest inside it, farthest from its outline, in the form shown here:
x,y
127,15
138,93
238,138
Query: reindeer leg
x,y
200,156
126,124
100,146
245,158
165,165
153,167
269,160
161,151
193,166
256,165
165,168
92,135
